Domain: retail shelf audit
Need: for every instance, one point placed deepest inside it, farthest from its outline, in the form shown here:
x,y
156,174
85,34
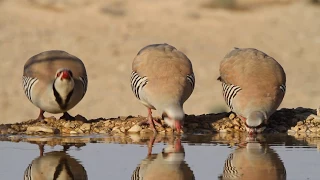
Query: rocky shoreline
x,y
292,121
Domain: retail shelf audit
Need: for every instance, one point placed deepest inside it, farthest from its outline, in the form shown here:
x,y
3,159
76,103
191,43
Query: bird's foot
x,y
67,116
152,122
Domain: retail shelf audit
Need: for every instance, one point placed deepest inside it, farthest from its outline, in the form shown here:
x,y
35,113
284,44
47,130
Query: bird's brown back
x,y
45,65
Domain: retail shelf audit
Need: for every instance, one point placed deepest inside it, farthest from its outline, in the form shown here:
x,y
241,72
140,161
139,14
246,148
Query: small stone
x,y
79,131
85,127
73,132
102,132
290,132
313,129
232,116
135,129
236,127
122,129
228,124
223,130
117,130
45,129
302,129
146,131
299,123
67,125
317,121
107,123
295,129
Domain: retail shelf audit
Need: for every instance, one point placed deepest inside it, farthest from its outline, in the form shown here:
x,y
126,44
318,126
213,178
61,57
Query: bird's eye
x,y
58,74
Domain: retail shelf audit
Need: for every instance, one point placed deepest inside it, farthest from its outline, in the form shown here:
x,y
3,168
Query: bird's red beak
x,y
65,75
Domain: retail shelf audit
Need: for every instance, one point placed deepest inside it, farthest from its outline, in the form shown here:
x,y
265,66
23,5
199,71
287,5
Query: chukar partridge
x,y
168,165
254,85
162,78
54,81
55,165
254,161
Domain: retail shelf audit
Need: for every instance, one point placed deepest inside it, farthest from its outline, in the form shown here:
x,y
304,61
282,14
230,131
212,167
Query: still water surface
x,y
220,156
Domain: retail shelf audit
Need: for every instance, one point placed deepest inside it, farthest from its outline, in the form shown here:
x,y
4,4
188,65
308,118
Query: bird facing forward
x,y
54,81
162,78
253,84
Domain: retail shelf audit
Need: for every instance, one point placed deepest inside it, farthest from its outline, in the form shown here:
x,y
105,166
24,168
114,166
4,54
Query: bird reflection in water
x,y
55,165
167,165
253,161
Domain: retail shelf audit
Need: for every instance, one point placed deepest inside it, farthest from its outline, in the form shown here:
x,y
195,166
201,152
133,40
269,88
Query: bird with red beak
x,y
54,81
162,79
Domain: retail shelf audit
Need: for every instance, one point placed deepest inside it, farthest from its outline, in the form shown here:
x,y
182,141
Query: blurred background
x,y
107,34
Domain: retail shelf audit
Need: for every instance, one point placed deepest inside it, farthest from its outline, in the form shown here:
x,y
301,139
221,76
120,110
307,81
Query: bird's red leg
x,y
150,144
150,121
41,116
41,148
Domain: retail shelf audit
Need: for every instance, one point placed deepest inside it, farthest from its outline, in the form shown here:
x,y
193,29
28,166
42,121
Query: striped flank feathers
x,y
191,79
137,83
229,92
283,88
84,81
28,83
135,175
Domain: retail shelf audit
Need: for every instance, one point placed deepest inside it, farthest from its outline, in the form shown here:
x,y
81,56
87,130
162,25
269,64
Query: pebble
x,y
232,116
135,129
45,129
146,131
85,127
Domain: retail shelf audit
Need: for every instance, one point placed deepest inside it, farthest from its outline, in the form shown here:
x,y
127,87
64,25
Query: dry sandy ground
x,y
107,35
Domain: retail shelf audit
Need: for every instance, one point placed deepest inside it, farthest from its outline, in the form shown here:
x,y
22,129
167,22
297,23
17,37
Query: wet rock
x,y
122,129
146,131
45,129
102,132
299,123
85,127
135,129
232,116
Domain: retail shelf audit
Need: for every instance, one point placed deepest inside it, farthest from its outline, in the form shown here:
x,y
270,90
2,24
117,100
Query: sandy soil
x,y
107,36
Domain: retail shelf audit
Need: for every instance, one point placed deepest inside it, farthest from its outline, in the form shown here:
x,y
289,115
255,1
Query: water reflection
x,y
254,160
167,165
55,165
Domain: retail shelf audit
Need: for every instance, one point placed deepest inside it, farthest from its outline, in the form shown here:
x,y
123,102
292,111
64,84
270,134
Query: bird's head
x,y
174,152
174,117
64,74
256,122
64,82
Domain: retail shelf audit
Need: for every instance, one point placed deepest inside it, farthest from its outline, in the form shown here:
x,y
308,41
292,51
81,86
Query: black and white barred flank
x,y
283,88
28,83
84,81
229,92
229,171
27,173
191,79
137,83
135,175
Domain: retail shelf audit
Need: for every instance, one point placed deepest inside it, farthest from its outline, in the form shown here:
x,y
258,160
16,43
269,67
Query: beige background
x,y
107,35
